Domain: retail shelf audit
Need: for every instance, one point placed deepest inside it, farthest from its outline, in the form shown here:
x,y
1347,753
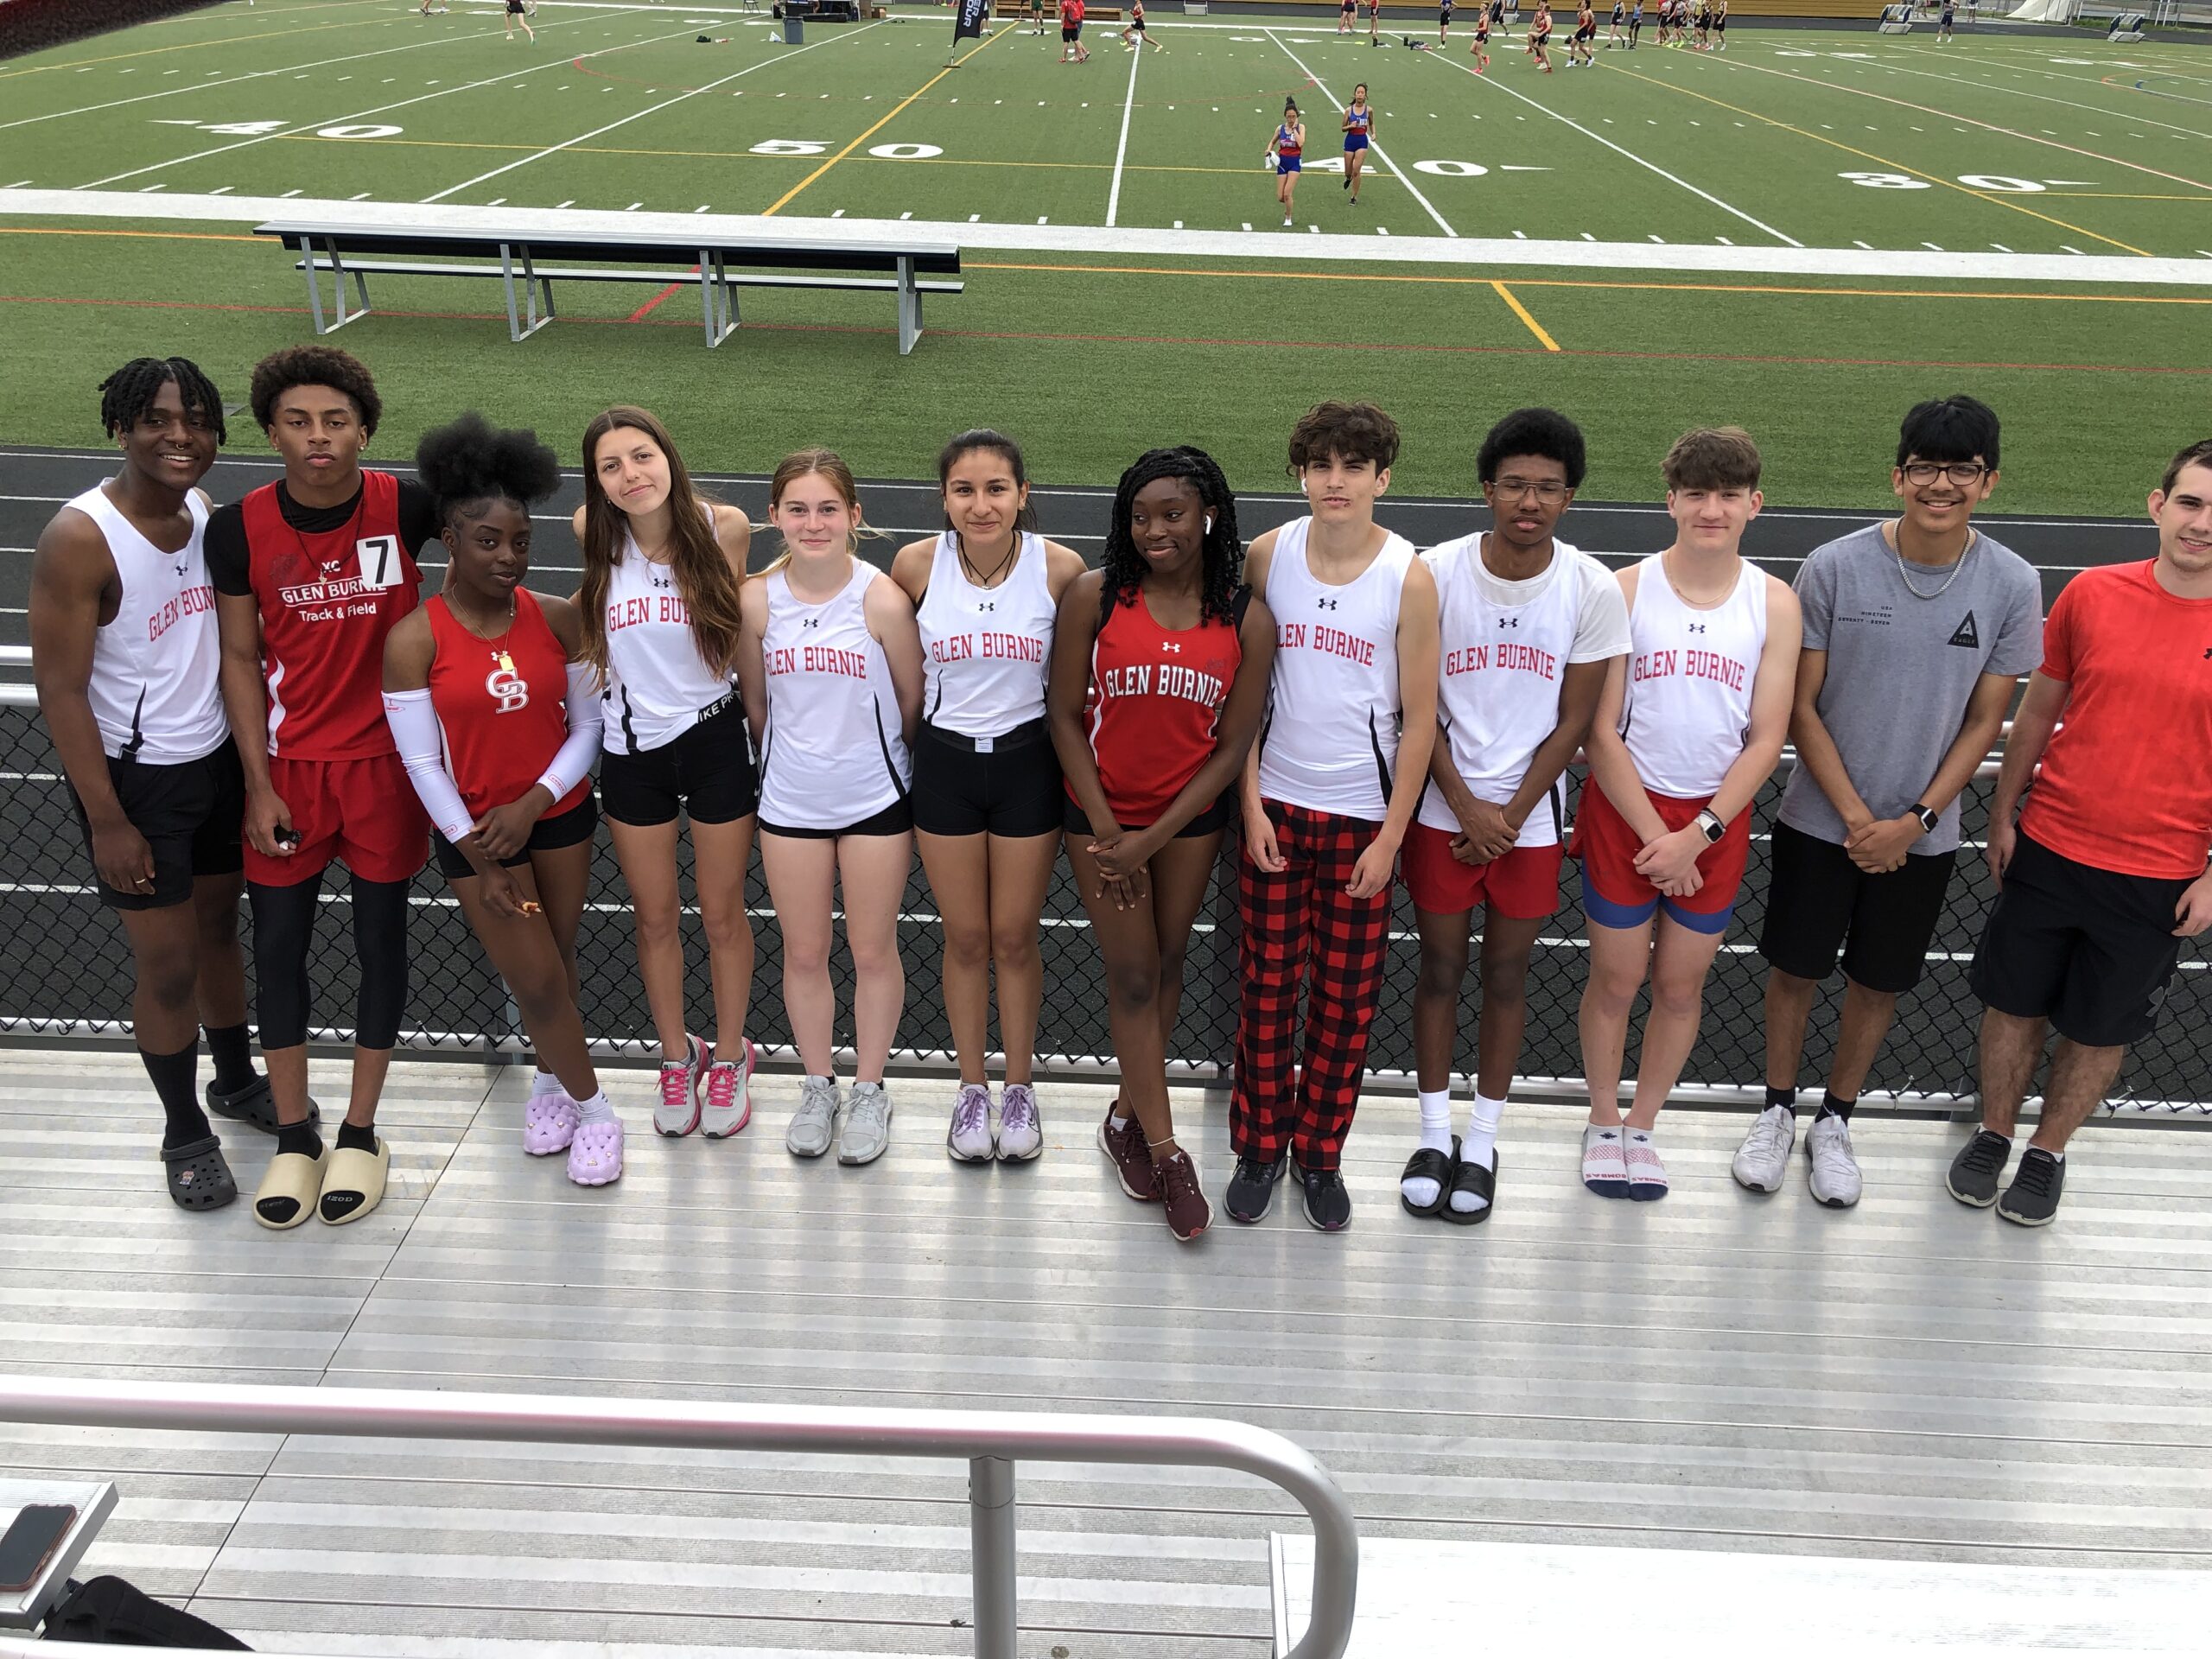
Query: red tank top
x,y
328,601
502,705
1155,698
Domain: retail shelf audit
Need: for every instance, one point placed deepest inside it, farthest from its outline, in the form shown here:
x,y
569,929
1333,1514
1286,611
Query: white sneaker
x,y
677,1112
1835,1180
970,1140
815,1118
1021,1131
1764,1158
727,1090
866,1128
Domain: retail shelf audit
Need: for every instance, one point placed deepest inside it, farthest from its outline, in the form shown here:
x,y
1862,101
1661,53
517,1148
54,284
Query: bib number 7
x,y
379,561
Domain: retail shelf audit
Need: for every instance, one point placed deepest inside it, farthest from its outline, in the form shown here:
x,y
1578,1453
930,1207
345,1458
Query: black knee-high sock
x,y
231,1048
173,1076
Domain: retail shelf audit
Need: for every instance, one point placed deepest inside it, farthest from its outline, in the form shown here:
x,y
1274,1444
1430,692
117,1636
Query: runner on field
x,y
497,721
1540,35
310,575
1327,795
1635,22
1072,49
1347,14
1943,28
517,13
1159,676
1284,150
834,692
1529,629
1135,36
125,655
2104,873
1443,22
1916,631
988,797
1480,50
1720,25
658,603
1359,132
1586,30
1688,730
1613,37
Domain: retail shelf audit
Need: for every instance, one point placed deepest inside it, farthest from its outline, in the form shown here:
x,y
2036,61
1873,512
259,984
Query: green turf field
x,y
1804,235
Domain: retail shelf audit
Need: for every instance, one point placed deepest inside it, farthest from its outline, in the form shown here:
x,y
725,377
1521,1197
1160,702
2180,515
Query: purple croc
x,y
595,1155
548,1124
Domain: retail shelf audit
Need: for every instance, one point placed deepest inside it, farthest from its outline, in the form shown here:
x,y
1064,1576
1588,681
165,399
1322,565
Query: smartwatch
x,y
1711,826
1928,816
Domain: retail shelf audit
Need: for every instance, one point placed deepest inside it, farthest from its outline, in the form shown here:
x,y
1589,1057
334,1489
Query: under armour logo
x,y
1171,645
1509,621
660,581
182,565
810,622
1327,604
987,604
1697,627
2207,653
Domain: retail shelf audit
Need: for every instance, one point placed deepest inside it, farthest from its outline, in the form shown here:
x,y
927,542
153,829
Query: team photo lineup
x,y
241,693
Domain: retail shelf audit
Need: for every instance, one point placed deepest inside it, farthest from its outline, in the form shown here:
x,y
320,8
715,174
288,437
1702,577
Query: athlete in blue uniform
x,y
1359,125
1284,150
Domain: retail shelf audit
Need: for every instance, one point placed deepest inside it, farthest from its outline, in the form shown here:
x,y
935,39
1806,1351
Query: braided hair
x,y
129,393
1223,554
468,463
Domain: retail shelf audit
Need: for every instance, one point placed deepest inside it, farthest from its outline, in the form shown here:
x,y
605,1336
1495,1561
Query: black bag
x,y
121,1615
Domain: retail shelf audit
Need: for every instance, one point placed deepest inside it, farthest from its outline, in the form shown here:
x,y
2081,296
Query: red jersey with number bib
x,y
502,705
327,599
1155,702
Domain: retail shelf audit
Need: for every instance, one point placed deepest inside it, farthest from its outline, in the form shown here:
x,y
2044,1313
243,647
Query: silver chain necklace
x,y
1973,541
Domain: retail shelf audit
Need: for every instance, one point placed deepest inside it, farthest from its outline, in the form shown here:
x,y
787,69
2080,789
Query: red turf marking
x,y
654,304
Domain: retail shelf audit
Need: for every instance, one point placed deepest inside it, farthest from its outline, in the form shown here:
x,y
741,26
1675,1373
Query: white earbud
x,y
1208,523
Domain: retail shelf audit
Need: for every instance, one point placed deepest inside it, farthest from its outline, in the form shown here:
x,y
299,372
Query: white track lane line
x,y
263,74
1497,84
1120,149
381,109
554,149
2098,110
1380,154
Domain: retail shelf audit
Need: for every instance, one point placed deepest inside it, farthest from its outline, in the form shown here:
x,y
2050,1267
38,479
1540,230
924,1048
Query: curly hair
x,y
129,393
1539,434
1122,567
468,463
315,365
1350,432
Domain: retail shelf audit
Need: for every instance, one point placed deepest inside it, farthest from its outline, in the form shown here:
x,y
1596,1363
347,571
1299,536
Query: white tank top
x,y
833,753
657,685
1498,677
156,686
985,651
1689,708
1331,739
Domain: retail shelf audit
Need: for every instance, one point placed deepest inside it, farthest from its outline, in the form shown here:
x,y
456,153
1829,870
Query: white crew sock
x,y
1479,1146
1421,1190
597,1109
543,1084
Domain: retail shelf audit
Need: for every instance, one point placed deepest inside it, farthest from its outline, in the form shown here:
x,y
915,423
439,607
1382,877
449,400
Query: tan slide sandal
x,y
287,1194
354,1184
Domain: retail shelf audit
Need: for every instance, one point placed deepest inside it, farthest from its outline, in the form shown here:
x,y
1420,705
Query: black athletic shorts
x,y
895,819
191,815
1011,788
1077,822
708,772
2092,950
1820,904
1070,31
546,836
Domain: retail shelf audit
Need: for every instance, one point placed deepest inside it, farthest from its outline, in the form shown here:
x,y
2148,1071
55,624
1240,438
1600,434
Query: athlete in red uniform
x,y
498,724
1161,660
310,575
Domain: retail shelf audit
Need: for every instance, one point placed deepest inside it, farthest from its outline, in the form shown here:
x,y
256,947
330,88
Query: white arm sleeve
x,y
415,729
572,764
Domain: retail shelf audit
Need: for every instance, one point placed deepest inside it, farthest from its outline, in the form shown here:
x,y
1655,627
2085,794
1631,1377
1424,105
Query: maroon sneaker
x,y
1187,1210
1125,1149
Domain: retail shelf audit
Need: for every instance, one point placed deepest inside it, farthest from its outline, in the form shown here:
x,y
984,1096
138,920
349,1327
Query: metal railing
x,y
991,1441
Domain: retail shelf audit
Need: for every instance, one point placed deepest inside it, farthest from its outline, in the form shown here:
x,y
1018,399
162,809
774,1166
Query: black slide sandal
x,y
1470,1178
199,1177
1438,1167
254,1105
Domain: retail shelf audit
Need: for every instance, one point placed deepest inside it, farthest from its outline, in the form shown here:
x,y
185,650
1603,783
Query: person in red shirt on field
x,y
2104,873
311,573
1072,49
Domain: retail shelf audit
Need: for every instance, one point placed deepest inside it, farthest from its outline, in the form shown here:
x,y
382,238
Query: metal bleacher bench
x,y
516,258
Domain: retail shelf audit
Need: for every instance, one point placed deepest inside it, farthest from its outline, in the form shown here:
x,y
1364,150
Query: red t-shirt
x,y
328,601
2126,782
502,705
1155,699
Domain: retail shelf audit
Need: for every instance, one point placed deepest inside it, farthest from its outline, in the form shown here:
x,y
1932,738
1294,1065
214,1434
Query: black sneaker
x,y
1973,1172
2032,1199
1328,1205
1251,1191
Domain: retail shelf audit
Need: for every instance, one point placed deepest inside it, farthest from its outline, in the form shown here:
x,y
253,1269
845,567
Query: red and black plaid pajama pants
x,y
1300,929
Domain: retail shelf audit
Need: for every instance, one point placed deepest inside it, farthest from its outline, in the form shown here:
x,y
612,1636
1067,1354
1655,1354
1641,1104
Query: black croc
x,y
253,1104
1438,1166
199,1178
1470,1178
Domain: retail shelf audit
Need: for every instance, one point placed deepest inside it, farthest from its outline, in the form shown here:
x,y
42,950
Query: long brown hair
x,y
703,572
798,465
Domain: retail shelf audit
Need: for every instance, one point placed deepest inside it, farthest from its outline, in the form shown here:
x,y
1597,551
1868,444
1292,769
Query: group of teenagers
x,y
239,694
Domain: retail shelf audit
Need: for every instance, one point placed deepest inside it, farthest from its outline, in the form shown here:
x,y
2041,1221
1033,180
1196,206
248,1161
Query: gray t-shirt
x,y
1901,667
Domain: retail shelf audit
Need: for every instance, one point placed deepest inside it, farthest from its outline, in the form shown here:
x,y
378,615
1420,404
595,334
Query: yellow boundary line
x,y
789,195
1522,312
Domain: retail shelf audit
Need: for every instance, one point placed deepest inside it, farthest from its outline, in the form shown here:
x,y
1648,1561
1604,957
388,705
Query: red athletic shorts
x,y
1521,885
1615,895
363,811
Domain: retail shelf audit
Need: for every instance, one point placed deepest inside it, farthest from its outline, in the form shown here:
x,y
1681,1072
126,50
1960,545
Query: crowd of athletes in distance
x,y
241,693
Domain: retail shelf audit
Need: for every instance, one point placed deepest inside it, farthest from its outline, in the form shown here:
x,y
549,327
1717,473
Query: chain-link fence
x,y
66,969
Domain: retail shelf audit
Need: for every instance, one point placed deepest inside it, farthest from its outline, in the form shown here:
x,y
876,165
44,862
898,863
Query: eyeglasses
x,y
1964,473
1545,490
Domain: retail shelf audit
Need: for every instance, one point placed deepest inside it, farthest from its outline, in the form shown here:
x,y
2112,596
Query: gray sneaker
x,y
867,1130
809,1135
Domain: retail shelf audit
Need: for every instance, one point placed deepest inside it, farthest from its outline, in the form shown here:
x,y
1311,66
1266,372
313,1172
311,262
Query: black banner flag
x,y
969,19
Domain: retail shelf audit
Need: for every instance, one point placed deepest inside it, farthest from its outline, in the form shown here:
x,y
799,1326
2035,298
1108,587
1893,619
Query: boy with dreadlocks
x,y
311,574
124,653
1159,675
1327,798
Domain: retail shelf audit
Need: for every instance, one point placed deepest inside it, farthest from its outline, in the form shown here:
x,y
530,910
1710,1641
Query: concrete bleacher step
x,y
1422,1596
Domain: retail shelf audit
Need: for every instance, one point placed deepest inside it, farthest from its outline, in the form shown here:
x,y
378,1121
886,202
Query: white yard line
x,y
1120,149
1497,84
2098,110
655,109
1380,154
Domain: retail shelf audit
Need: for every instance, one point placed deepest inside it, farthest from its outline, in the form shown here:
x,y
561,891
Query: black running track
x,y
58,960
